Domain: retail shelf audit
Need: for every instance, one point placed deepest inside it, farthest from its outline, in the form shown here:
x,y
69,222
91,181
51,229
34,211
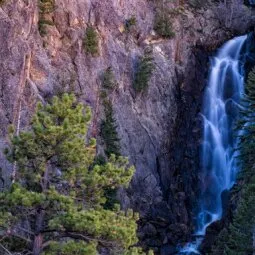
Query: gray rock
x,y
159,129
149,230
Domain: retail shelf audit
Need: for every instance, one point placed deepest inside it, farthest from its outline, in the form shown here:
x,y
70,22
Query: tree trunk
x,y
37,246
39,222
38,240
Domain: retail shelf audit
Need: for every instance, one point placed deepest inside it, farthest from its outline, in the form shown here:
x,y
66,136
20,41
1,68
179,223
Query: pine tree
x,y
55,204
109,132
163,24
144,71
240,237
247,125
221,243
90,41
241,230
108,79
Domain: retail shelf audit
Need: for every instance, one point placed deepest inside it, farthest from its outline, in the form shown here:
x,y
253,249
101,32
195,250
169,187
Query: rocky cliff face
x,y
159,129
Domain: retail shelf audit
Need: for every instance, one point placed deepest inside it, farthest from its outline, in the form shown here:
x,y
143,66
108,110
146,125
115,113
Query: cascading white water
x,y
220,111
218,159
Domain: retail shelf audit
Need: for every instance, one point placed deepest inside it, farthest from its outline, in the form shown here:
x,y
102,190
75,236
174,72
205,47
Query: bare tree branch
x,y
5,249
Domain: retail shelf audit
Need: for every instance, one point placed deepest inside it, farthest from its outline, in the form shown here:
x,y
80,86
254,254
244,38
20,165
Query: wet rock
x,y
210,237
177,233
168,250
149,230
161,213
159,129
225,196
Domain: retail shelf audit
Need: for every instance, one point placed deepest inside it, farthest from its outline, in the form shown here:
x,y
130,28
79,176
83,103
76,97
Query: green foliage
x,y
90,41
108,79
14,244
109,132
144,71
238,238
136,251
72,247
247,124
111,198
241,230
42,25
221,243
130,23
46,7
197,3
163,24
56,203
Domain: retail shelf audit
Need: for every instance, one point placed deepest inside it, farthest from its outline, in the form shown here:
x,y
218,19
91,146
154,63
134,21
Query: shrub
x,y
108,79
42,24
130,23
163,25
197,3
90,42
45,7
144,71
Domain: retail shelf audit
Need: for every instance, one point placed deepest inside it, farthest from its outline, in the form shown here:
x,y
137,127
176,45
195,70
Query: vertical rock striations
x,y
42,53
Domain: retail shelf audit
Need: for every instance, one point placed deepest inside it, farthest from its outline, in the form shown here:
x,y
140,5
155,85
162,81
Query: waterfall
x,y
220,111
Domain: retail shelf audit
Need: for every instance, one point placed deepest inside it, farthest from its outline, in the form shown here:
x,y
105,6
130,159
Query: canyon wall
x,y
159,129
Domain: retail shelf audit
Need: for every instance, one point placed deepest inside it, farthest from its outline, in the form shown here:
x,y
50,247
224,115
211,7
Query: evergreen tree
x,y
247,125
163,24
55,204
108,79
241,230
144,71
240,237
109,132
221,243
91,42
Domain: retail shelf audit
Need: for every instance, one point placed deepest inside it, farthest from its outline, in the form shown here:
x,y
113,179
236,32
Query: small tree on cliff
x,y
109,132
55,204
144,71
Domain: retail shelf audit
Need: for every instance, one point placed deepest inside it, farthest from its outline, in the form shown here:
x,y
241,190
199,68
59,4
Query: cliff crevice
x,y
42,54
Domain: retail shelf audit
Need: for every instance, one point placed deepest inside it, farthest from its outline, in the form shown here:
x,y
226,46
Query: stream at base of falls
x,y
218,157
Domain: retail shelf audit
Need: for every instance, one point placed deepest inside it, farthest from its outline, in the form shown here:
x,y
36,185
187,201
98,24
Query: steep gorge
x,y
159,130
